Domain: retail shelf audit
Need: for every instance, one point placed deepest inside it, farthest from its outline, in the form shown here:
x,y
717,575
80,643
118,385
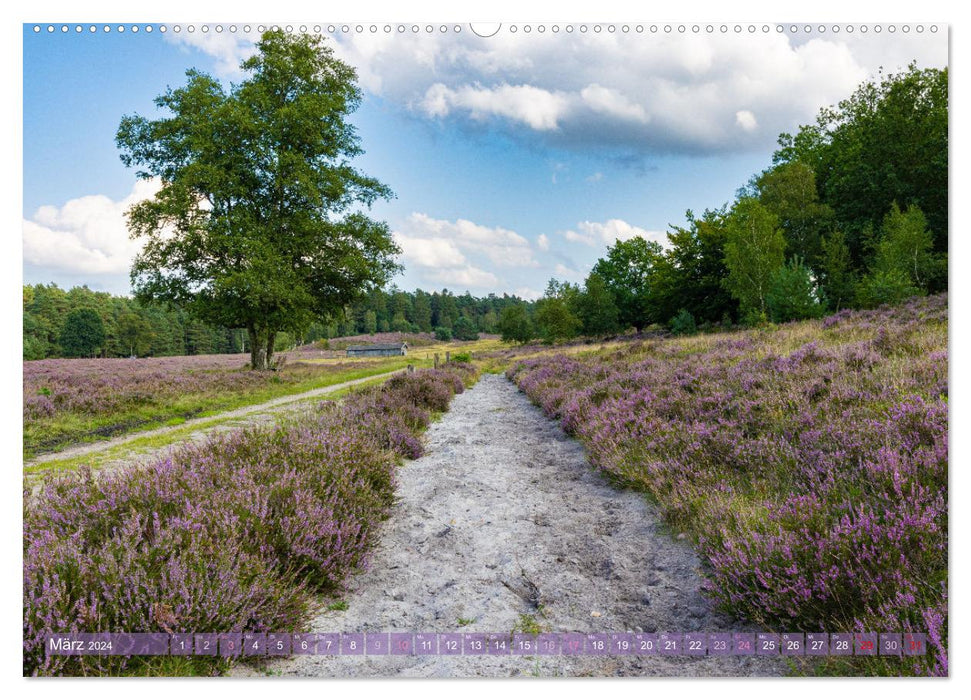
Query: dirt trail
x,y
504,517
254,414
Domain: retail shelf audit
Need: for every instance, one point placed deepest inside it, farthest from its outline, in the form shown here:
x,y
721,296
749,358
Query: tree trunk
x,y
270,340
257,352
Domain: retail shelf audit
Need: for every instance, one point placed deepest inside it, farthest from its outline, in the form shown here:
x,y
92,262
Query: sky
x,y
514,158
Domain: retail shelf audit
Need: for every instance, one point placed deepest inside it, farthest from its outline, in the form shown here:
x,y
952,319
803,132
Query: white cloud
x,y
460,252
538,108
612,103
543,242
746,120
429,252
468,276
229,49
575,237
87,235
593,233
528,293
677,93
503,247
596,177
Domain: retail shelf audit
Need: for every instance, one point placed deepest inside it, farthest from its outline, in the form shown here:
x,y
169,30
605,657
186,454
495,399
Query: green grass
x,y
139,446
73,429
528,624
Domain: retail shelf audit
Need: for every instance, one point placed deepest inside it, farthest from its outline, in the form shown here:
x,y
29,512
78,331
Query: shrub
x,y
683,323
465,329
443,334
793,294
888,286
514,324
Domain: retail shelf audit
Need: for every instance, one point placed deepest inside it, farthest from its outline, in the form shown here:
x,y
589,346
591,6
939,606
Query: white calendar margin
x,y
185,11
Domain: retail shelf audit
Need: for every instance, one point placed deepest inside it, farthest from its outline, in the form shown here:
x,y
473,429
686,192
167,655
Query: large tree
x,y
514,324
83,334
627,272
690,274
596,307
258,222
554,317
789,191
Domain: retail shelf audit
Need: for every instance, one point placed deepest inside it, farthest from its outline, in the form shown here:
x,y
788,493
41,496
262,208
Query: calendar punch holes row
x,y
478,643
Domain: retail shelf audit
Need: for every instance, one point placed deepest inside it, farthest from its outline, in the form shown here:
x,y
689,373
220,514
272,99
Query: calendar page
x,y
517,349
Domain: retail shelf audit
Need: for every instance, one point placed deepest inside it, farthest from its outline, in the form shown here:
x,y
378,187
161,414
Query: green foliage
x,y
690,274
461,357
627,272
793,294
788,190
754,250
464,329
370,322
135,333
514,324
130,326
889,286
838,278
554,317
442,333
258,221
399,324
422,311
888,142
683,323
83,334
904,264
906,246
555,321
596,309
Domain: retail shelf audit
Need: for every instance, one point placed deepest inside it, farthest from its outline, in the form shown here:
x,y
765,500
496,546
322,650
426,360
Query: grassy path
x,y
150,443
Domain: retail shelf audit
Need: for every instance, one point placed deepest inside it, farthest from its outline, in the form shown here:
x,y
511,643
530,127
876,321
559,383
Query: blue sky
x,y
514,159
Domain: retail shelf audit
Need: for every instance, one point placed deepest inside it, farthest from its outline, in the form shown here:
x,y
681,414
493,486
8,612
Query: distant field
x,y
71,401
66,402
422,355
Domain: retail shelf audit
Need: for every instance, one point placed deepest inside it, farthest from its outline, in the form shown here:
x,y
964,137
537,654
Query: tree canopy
x,y
258,222
83,334
885,143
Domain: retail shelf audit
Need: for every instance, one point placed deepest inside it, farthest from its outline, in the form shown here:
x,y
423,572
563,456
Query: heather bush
x,y
809,462
237,534
70,400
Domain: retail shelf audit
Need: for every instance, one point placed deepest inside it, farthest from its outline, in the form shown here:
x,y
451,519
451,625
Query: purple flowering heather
x,y
808,462
102,397
239,533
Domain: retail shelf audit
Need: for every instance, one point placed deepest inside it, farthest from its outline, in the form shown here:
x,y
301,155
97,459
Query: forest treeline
x,y
83,323
852,212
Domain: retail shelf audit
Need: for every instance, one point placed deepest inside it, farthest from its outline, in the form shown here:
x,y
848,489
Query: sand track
x,y
504,517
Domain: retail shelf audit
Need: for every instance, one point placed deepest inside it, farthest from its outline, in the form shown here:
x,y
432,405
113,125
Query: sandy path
x,y
504,512
254,414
